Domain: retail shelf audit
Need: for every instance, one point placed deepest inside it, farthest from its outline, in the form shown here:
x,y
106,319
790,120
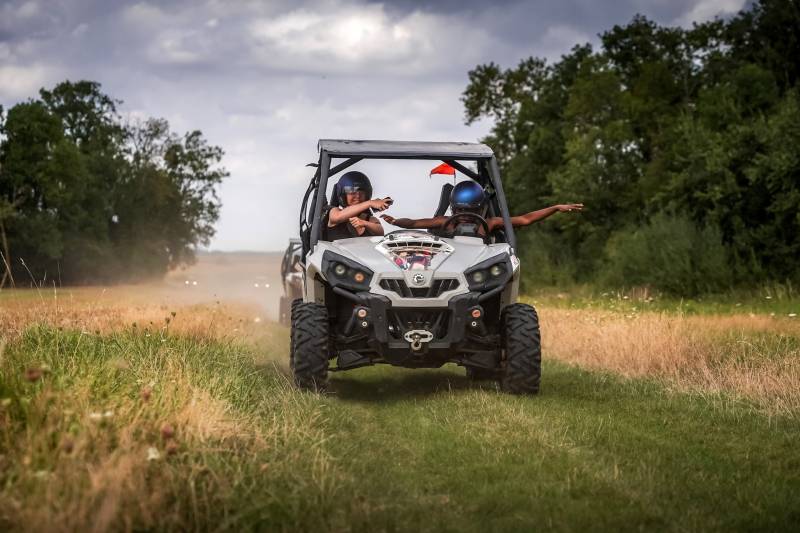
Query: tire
x,y
523,350
309,346
295,303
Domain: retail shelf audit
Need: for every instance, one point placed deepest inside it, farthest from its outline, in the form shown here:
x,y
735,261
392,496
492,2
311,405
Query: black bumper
x,y
458,343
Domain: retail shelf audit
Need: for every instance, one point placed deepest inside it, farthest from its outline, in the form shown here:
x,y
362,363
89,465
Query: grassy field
x,y
131,408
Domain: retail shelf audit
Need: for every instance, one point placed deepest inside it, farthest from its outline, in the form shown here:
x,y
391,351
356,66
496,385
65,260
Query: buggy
x,y
413,298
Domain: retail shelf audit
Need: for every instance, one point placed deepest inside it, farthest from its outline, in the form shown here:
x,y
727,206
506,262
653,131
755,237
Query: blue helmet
x,y
351,182
467,195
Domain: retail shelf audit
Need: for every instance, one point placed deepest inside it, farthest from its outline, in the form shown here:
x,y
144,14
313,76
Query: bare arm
x,y
415,223
373,226
337,216
534,216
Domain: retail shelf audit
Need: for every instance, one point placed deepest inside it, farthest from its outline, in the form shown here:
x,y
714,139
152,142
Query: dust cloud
x,y
248,278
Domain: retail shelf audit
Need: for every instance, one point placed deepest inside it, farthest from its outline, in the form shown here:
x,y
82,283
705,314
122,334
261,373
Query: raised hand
x,y
381,204
569,207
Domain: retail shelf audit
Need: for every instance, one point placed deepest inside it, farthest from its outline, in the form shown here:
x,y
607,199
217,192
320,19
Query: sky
x,y
265,80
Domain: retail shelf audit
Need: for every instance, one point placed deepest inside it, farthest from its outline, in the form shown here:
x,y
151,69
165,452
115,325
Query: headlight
x,y
343,272
492,273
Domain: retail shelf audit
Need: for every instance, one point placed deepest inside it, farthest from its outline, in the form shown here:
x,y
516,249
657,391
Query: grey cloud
x,y
265,80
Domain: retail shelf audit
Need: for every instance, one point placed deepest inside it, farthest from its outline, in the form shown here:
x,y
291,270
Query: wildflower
x,y
167,431
96,417
33,374
153,454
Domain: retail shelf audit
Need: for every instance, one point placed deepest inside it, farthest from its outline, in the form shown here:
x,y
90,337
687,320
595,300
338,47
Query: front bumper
x,y
455,339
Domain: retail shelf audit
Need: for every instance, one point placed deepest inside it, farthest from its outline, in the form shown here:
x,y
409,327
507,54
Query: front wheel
x,y
309,346
523,350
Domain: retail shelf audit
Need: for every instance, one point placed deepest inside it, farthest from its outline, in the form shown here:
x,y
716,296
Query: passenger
x,y
350,216
468,197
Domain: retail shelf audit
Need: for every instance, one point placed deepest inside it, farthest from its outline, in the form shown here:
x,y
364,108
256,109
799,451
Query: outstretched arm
x,y
337,216
415,223
535,216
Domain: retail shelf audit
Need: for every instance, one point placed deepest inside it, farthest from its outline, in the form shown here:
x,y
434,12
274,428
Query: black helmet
x,y
466,196
351,182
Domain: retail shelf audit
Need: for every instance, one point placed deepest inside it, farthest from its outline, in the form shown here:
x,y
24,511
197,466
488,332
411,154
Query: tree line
x,y
86,197
684,144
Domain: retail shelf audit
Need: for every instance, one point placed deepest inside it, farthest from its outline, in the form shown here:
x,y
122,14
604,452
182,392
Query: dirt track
x,y
250,278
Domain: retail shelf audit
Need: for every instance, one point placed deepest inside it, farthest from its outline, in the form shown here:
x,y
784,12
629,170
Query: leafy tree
x,y
693,124
85,198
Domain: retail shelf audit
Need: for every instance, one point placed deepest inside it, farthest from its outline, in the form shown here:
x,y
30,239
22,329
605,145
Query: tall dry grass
x,y
107,310
754,356
140,430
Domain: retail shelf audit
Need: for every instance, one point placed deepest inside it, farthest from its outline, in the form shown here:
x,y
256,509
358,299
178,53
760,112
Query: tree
x,y
89,199
689,124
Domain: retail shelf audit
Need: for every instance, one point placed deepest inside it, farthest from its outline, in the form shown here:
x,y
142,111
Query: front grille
x,y
438,287
403,320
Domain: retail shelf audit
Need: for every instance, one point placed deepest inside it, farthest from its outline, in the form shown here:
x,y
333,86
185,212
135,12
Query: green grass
x,y
388,449
777,300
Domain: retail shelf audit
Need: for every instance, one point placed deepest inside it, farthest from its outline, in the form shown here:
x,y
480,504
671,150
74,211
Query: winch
x,y
418,336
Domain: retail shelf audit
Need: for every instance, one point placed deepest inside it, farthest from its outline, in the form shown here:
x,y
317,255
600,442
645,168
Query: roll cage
x,y
338,155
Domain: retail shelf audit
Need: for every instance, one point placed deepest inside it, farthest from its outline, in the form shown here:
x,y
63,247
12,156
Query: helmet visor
x,y
349,189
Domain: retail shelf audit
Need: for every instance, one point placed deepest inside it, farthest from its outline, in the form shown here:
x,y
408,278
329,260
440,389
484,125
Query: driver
x,y
468,197
351,217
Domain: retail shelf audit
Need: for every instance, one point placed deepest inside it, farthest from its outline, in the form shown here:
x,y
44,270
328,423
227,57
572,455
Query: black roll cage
x,y
487,176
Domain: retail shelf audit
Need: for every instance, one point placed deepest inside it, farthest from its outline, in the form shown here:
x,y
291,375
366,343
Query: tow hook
x,y
416,337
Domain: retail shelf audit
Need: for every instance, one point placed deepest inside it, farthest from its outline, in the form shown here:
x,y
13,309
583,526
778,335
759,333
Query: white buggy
x,y
413,298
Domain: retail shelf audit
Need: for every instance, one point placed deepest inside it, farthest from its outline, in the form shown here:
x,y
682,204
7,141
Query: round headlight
x,y
478,276
339,269
496,270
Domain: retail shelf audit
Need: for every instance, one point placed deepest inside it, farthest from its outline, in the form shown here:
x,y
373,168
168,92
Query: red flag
x,y
444,168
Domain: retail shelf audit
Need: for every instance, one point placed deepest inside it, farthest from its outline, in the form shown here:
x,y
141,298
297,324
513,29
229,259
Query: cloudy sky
x,y
266,79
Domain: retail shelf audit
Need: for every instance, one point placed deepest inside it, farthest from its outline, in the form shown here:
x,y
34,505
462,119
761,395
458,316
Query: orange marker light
x,y
359,277
362,313
476,313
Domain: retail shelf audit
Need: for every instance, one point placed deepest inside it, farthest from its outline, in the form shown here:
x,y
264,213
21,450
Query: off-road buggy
x,y
291,279
413,298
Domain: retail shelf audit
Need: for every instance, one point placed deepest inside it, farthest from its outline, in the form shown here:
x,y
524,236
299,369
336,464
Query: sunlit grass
x,y
775,300
121,413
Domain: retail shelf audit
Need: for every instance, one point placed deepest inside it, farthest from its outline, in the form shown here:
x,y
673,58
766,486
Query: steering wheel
x,y
461,218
